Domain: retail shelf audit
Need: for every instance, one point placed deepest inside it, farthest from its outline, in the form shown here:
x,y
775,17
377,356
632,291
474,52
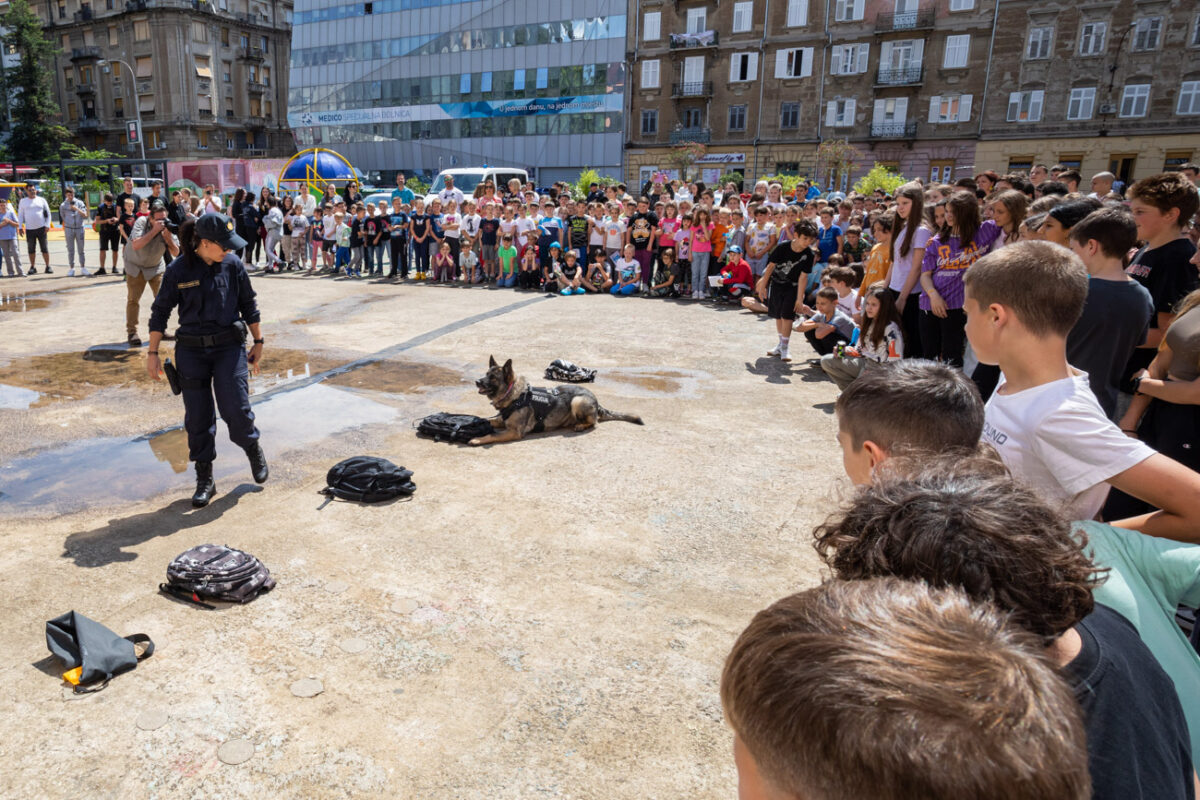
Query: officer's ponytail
x,y
189,242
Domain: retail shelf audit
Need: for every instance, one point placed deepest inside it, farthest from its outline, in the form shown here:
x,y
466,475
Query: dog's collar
x,y
507,392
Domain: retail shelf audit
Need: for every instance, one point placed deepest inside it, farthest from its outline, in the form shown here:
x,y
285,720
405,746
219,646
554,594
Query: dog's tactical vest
x,y
542,401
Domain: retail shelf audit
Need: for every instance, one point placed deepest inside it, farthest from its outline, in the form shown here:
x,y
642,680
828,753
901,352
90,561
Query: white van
x,y
467,178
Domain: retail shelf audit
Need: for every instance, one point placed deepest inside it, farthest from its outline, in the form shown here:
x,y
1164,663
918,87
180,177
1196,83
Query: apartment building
x,y
1095,87
935,88
209,78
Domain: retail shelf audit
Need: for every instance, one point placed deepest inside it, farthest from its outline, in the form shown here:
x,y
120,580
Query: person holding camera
x,y
209,286
149,239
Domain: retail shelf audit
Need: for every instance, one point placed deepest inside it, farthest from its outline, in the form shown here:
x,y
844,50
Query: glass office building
x,y
426,85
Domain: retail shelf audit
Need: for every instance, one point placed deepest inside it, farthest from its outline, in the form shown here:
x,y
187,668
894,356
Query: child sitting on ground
x,y
844,280
666,275
443,264
598,278
1021,303
880,339
551,265
570,275
629,273
469,263
737,279
829,326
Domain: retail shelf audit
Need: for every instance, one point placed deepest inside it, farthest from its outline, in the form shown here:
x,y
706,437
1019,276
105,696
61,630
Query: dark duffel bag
x,y
92,653
462,428
366,479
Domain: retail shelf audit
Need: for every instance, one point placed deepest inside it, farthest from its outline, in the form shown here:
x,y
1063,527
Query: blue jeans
x,y
508,281
374,257
700,272
625,290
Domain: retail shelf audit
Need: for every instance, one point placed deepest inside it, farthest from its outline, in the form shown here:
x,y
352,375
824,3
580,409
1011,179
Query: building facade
x,y
1113,86
210,79
922,87
424,85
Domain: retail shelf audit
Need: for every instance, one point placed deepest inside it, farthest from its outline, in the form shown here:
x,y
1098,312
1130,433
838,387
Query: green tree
x,y
587,178
35,136
880,177
683,156
836,160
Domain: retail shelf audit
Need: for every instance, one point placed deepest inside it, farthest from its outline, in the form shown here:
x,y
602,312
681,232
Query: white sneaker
x,y
71,272
783,354
84,272
775,351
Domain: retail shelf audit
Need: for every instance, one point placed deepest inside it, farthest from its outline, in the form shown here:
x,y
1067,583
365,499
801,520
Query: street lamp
x,y
137,106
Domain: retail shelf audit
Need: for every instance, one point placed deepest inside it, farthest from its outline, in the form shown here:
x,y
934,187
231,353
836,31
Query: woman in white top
x,y
212,200
908,248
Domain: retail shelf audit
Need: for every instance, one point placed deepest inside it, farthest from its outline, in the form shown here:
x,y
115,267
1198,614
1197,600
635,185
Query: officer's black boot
x,y
258,463
205,488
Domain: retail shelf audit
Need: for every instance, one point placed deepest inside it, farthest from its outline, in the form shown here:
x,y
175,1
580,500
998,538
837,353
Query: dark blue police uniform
x,y
209,350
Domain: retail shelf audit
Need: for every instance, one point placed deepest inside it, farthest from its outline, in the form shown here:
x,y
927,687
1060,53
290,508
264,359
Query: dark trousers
x,y
220,372
421,256
910,322
823,346
455,248
250,251
399,255
943,338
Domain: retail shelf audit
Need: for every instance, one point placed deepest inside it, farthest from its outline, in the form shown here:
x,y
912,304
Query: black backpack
x,y
367,479
567,372
216,572
442,427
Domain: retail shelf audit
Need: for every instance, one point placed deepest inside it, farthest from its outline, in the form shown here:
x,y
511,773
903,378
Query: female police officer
x,y
209,285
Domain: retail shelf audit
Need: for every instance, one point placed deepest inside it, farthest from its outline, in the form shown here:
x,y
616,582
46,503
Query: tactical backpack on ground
x,y
216,572
565,371
442,427
366,479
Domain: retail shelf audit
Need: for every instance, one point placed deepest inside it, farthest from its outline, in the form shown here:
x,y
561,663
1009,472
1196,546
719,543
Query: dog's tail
x,y
604,415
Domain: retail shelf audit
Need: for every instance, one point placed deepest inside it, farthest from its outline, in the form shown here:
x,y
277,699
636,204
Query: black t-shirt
x,y
1115,319
789,264
419,223
641,229
136,200
357,232
487,231
1137,736
105,211
1166,273
577,228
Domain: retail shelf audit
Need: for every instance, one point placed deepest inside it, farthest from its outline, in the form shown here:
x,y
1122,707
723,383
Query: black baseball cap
x,y
220,229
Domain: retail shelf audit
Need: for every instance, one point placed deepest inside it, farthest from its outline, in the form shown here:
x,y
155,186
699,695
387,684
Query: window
x,y
62,9
649,122
962,5
649,74
243,40
112,35
143,67
1039,44
1175,159
794,63
1082,103
85,75
743,67
202,139
1070,160
263,41
743,16
1135,99
141,30
485,81
118,107
199,31
519,78
146,104
839,113
797,13
848,10
464,83
789,116
1146,32
941,171
1091,38
1196,33
203,70
89,37
652,26
691,118
697,19
1020,164
737,118
947,109
72,112
69,76
227,71
542,78
849,59
1025,106
225,37
890,111
1189,98
255,107
957,50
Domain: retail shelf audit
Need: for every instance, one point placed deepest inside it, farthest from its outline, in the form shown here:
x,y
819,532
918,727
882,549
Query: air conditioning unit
x,y
1108,108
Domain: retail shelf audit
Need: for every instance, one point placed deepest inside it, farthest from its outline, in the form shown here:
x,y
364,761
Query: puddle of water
x,y
101,472
73,376
398,377
654,383
19,302
16,397
651,382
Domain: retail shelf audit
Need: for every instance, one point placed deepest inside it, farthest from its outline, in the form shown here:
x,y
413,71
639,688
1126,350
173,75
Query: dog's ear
x,y
508,370
491,361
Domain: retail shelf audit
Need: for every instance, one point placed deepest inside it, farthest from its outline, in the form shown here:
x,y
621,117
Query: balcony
x,y
921,19
136,5
254,87
893,130
84,14
85,88
252,54
692,41
89,124
85,53
255,121
204,114
904,76
692,89
687,135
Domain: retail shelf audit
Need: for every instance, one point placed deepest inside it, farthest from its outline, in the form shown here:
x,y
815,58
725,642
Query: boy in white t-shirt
x,y
1044,420
844,279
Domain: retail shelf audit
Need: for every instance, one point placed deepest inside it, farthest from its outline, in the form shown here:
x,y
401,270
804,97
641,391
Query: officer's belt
x,y
228,336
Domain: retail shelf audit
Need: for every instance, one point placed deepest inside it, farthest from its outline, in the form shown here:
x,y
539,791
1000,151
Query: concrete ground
x,y
546,618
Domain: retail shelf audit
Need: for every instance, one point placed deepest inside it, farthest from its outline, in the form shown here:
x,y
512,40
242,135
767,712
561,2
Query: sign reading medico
x,y
481,109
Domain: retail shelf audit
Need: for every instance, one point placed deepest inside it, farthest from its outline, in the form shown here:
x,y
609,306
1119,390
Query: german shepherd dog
x,y
564,407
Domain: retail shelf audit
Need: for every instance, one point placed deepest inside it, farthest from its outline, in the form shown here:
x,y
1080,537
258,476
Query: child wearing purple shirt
x,y
946,259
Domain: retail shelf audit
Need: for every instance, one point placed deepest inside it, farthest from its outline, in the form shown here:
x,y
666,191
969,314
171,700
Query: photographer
x,y
149,240
209,286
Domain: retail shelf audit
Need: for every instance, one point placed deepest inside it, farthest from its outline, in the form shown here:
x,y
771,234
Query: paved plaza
x,y
546,618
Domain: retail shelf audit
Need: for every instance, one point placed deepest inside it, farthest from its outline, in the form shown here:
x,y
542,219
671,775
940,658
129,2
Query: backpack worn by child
x,y
366,479
216,572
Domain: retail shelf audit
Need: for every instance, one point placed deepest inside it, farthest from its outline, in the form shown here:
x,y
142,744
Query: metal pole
x,y
137,106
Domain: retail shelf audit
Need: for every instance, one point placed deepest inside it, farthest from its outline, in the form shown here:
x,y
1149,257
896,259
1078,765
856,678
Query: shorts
x,y
781,300
110,238
487,253
36,236
328,245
